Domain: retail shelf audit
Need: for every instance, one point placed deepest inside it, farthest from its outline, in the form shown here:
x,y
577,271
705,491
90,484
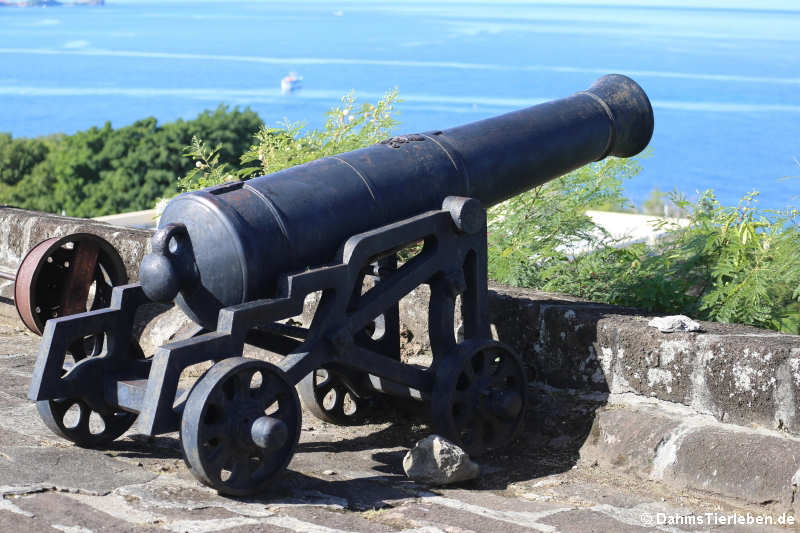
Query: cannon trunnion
x,y
241,258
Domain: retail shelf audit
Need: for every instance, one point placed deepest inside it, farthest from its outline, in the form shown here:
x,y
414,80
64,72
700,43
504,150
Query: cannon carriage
x,y
241,258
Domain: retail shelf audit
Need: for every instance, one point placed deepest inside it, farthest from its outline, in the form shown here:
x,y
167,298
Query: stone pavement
x,y
341,479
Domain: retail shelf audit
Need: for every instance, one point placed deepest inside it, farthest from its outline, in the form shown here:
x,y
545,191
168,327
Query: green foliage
x,y
659,204
105,170
208,170
347,128
751,257
18,157
655,203
536,230
729,264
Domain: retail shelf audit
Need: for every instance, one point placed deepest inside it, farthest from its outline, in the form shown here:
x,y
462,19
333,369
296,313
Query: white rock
x,y
438,461
670,324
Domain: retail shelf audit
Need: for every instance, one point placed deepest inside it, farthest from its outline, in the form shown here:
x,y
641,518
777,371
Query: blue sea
x,y
724,77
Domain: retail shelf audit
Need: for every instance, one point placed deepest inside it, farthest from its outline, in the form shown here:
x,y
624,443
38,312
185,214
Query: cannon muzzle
x,y
228,244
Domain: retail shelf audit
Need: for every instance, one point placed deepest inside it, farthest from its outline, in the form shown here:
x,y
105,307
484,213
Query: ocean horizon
x,y
723,77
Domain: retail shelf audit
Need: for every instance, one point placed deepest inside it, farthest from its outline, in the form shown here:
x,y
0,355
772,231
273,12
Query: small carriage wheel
x,y
325,393
240,426
71,418
479,396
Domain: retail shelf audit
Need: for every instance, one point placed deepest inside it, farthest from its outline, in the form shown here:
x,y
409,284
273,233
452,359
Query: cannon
x,y
242,258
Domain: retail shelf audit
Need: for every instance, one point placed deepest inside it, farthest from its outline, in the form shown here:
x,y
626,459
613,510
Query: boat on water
x,y
291,82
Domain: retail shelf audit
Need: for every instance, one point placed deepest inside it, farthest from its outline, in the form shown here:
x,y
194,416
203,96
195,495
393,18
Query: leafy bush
x,y
347,128
730,264
104,170
543,227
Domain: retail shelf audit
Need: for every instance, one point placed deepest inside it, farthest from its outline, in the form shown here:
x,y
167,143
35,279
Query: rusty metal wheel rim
x,y
56,276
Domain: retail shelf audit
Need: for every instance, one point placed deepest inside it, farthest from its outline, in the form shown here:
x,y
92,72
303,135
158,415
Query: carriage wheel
x,y
240,426
326,394
67,275
479,396
89,426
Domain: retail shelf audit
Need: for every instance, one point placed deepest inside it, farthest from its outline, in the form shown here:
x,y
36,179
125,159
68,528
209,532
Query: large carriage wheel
x,y
66,275
240,426
479,396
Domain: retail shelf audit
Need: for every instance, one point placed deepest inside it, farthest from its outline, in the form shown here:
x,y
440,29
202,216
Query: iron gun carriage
x,y
240,258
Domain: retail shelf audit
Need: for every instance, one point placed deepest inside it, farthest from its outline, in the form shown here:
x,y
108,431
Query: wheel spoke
x,y
490,432
471,438
111,420
486,358
217,460
217,399
241,472
217,432
469,419
462,413
242,385
506,370
324,388
82,427
59,408
469,372
461,395
264,392
502,367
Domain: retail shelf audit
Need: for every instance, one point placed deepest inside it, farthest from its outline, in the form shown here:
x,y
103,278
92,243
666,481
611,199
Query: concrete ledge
x,y
735,373
671,443
21,230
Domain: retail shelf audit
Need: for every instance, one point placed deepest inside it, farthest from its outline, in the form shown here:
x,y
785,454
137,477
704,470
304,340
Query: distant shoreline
x,y
50,3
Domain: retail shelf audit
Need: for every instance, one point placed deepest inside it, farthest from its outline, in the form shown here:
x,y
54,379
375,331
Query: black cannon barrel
x,y
238,237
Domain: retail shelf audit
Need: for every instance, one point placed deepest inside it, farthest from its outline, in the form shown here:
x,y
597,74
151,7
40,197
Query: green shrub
x,y
730,264
538,229
104,170
346,128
